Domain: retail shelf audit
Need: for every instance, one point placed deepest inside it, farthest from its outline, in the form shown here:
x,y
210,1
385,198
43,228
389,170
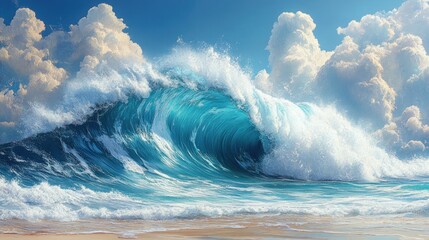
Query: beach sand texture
x,y
242,227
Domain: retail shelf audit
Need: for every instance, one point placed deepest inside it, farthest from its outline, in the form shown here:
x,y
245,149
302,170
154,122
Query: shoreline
x,y
237,227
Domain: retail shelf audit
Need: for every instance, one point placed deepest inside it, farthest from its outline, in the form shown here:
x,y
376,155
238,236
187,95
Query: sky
x,y
242,27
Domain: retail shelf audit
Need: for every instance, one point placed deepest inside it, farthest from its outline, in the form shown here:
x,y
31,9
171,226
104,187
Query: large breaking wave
x,y
209,122
201,147
190,136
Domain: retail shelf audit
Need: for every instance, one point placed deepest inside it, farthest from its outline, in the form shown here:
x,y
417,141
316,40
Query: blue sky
x,y
243,27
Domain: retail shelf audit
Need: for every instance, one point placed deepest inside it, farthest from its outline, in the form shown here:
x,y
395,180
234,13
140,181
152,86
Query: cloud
x,y
353,80
414,146
396,44
411,120
56,79
24,29
376,76
100,35
295,56
34,72
371,29
410,18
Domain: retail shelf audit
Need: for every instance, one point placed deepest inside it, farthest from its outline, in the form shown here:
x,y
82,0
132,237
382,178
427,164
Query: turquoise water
x,y
187,153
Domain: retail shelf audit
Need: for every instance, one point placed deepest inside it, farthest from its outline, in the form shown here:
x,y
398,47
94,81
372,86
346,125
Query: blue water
x,y
179,153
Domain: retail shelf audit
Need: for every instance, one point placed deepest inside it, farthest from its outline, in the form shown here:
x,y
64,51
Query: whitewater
x,y
188,136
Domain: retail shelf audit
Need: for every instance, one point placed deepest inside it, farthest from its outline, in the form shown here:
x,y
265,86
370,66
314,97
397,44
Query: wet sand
x,y
242,227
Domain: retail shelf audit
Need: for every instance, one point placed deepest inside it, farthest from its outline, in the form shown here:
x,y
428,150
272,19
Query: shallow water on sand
x,y
256,226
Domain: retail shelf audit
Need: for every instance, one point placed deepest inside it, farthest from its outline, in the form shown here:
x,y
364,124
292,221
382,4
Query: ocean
x,y
187,153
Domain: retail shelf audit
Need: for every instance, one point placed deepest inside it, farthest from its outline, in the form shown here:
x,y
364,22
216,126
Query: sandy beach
x,y
242,227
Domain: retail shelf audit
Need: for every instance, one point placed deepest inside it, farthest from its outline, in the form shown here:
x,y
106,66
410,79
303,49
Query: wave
x,y
211,121
305,141
192,146
197,132
98,131
46,201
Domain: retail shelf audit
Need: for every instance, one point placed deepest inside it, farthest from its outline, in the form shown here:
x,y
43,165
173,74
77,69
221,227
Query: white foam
x,y
45,201
119,153
82,162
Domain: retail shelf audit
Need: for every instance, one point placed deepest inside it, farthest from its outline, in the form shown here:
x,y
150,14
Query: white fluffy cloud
x,y
371,29
396,43
378,74
410,18
24,30
94,62
100,36
26,60
295,56
30,74
353,80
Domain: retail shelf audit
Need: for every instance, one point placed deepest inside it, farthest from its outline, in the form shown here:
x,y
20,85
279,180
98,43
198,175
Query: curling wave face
x,y
174,132
191,152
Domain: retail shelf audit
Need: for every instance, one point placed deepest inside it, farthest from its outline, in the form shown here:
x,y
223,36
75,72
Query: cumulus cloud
x,y
371,29
411,120
29,73
410,18
24,29
414,146
100,36
396,45
377,76
94,61
353,80
295,56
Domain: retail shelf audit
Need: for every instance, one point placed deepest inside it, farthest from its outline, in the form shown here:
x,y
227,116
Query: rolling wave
x,y
202,147
205,131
